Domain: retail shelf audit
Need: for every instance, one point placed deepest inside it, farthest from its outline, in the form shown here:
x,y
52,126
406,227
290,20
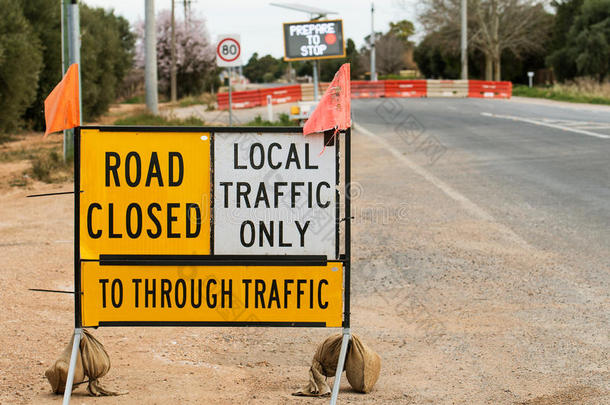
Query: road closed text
x,y
145,193
214,293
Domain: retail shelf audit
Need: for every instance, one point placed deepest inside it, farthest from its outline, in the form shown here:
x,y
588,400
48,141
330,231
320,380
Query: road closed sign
x,y
212,295
144,193
228,51
314,40
208,226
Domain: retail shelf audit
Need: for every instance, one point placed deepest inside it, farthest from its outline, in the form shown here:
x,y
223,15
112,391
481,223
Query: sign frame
x,y
221,260
289,59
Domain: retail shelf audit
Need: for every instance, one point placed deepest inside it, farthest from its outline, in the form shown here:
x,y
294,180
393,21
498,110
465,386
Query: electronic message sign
x,y
314,40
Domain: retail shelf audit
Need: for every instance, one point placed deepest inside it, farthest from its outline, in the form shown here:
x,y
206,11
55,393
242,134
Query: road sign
x,y
228,51
274,194
314,40
144,193
212,295
171,217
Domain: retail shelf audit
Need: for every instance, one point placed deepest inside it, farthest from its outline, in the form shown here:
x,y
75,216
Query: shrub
x,y
20,63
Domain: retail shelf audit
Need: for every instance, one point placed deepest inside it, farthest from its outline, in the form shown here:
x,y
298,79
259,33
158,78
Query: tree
x,y
402,30
494,26
44,18
435,61
20,64
390,48
106,57
195,55
587,47
265,69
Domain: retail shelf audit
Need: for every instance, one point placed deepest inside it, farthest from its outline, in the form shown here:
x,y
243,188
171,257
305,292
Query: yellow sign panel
x,y
144,192
212,295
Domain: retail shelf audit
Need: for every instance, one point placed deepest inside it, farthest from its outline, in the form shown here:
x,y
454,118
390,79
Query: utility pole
x,y
464,40
150,50
172,72
315,80
70,38
373,72
230,99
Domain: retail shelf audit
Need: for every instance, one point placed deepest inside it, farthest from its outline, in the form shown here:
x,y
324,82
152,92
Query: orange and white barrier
x,y
488,89
367,89
405,88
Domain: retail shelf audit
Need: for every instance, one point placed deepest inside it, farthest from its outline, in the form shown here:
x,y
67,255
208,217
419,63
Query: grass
x,y
6,138
50,167
581,90
158,120
135,100
13,155
398,77
284,121
206,99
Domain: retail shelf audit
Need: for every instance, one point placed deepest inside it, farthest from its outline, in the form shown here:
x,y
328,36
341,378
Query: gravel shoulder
x,y
461,311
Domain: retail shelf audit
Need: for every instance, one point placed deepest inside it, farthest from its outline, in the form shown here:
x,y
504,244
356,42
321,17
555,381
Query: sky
x,y
260,25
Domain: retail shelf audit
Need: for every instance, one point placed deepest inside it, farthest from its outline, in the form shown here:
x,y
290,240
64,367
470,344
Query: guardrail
x,y
368,89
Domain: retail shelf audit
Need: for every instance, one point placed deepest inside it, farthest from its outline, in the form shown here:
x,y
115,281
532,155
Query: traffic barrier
x,y
366,89
307,90
240,99
488,89
279,95
447,88
405,88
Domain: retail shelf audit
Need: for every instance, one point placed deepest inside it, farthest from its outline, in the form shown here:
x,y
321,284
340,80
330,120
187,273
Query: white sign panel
x,y
274,194
228,51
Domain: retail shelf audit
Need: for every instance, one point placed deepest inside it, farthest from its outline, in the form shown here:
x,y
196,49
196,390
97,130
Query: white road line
x,y
546,124
468,205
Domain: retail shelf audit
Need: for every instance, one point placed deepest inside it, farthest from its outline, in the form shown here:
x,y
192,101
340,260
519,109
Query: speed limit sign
x,y
228,51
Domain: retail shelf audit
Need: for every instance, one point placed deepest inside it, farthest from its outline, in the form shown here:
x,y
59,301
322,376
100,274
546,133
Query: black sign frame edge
x,y
345,258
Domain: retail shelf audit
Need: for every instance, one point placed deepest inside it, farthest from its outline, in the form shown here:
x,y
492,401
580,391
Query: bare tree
x,y
493,27
389,52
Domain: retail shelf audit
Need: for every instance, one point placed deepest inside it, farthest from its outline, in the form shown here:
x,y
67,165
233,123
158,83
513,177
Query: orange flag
x,y
333,110
62,107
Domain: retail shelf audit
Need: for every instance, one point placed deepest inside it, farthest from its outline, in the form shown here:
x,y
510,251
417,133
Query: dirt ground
x,y
458,308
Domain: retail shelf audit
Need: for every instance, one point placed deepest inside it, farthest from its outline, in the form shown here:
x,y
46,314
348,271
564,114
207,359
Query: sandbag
x,y
324,364
57,374
96,364
92,361
362,366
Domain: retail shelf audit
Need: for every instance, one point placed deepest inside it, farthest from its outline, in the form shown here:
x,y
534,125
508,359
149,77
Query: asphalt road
x,y
541,170
502,259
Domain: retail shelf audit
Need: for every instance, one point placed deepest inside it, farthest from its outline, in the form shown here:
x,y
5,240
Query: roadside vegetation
x,y
150,119
283,121
578,91
50,167
27,158
206,99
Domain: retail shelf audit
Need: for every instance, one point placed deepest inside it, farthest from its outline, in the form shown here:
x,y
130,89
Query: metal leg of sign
x,y
346,337
75,346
